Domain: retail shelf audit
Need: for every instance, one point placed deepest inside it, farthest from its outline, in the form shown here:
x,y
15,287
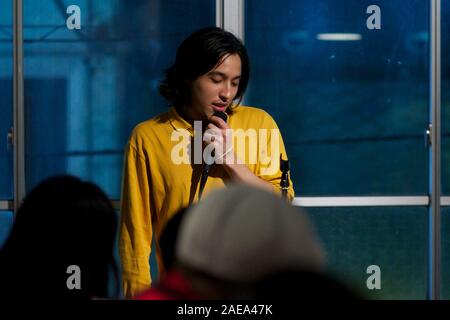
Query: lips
x,y
220,106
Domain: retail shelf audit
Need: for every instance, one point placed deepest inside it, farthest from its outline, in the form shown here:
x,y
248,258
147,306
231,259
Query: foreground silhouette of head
x,y
61,243
239,235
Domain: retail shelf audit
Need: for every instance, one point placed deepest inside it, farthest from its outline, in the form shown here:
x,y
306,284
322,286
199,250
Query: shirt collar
x,y
178,122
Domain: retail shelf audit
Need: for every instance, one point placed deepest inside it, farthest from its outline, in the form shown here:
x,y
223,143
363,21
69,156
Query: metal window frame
x,y
331,202
7,205
18,106
434,260
361,201
445,201
219,13
230,16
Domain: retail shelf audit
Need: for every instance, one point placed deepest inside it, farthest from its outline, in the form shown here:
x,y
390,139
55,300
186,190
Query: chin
x,y
208,112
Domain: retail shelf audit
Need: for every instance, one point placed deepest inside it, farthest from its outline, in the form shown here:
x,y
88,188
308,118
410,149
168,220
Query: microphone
x,y
284,183
208,164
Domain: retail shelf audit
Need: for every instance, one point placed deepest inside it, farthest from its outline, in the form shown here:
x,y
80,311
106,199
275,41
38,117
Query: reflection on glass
x,y
393,238
86,89
351,102
6,103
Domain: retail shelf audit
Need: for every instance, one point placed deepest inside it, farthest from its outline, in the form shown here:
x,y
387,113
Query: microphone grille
x,y
222,115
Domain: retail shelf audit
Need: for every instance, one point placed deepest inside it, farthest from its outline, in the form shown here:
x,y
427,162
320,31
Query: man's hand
x,y
220,135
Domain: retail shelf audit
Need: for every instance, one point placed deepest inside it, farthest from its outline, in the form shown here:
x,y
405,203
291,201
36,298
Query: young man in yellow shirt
x,y
166,155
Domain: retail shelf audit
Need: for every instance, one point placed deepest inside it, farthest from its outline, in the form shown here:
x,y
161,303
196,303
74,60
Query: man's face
x,y
215,90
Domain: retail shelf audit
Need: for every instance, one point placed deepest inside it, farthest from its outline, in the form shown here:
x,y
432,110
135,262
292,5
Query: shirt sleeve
x,y
135,233
272,146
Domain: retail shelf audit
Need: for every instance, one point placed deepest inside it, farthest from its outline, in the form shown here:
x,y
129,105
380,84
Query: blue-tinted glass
x,y
445,132
393,238
86,89
352,112
445,250
445,96
6,103
6,222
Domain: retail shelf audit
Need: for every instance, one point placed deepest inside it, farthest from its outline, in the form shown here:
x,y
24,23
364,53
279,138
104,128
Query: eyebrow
x,y
218,73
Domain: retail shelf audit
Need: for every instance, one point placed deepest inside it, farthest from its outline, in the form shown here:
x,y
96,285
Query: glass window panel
x,y
6,103
6,222
86,89
393,238
445,96
445,253
445,133
352,112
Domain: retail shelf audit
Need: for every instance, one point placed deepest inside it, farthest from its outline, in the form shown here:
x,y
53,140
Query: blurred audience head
x,y
242,234
62,222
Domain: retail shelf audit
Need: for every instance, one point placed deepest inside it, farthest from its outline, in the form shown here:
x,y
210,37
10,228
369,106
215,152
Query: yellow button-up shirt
x,y
159,179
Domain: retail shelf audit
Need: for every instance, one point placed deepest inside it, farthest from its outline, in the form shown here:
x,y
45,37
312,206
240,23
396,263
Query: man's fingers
x,y
212,126
208,137
214,130
211,136
218,122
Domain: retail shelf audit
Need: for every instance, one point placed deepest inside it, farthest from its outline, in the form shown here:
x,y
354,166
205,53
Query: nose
x,y
226,92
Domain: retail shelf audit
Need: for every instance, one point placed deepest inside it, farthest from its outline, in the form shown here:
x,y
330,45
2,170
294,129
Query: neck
x,y
186,115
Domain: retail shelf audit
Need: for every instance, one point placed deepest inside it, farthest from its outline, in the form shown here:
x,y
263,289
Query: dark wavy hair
x,y
63,221
199,53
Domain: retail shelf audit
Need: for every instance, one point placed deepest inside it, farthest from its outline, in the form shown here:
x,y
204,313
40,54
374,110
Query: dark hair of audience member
x,y
306,285
62,222
168,239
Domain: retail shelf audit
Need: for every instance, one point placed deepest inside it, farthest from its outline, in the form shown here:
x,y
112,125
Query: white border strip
x,y
360,201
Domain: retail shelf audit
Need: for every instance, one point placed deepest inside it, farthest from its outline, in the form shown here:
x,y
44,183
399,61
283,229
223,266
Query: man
x,y
165,158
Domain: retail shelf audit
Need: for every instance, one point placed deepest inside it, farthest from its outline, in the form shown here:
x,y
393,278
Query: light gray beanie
x,y
242,233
